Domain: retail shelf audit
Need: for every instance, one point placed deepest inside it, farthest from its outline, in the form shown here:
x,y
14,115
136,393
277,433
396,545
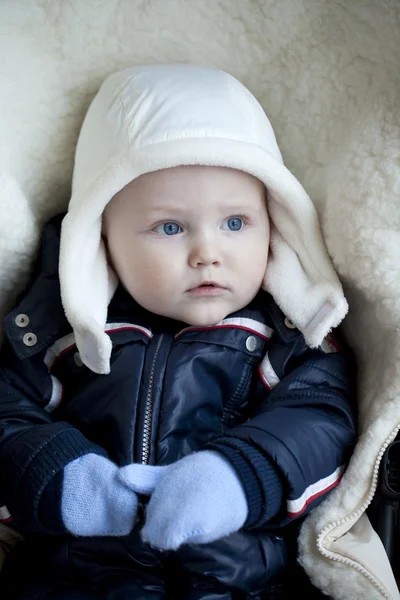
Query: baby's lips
x,y
207,284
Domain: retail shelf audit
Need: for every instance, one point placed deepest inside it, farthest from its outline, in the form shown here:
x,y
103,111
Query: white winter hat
x,y
153,117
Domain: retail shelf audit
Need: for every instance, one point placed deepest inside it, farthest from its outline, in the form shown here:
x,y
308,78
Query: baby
x,y
172,403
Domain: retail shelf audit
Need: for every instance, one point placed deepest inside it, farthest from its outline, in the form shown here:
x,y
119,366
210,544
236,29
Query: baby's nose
x,y
204,254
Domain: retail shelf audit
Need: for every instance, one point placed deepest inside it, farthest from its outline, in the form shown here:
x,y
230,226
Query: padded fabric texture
x,y
327,75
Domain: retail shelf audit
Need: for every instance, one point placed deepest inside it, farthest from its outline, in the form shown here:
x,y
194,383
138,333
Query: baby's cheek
x,y
259,257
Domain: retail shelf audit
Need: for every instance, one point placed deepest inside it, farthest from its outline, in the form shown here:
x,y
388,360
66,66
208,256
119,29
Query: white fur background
x,y
327,74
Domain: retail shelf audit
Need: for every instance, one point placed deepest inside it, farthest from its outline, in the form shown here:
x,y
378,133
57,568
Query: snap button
x,y
251,343
21,320
78,360
29,339
289,324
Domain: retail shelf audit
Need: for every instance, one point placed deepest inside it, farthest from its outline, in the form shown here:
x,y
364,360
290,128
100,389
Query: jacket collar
x,y
39,319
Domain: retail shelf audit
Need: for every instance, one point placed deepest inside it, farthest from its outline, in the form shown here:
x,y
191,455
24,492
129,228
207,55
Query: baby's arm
x,y
273,468
52,478
303,430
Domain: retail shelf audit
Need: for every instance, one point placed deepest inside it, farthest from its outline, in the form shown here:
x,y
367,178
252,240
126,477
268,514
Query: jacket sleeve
x,y
34,447
293,449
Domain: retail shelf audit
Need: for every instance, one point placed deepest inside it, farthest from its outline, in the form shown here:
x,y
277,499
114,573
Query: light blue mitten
x,y
94,501
199,499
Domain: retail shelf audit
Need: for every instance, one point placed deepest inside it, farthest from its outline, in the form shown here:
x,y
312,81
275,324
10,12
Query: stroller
x,y
327,74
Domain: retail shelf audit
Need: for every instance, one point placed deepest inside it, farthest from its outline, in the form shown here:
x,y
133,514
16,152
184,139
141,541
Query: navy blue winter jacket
x,y
248,388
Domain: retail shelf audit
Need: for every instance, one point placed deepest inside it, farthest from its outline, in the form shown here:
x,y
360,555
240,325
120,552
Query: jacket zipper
x,y
148,413
353,517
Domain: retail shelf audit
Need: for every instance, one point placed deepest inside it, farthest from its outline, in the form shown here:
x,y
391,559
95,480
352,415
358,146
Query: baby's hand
x,y
94,501
142,479
97,496
199,499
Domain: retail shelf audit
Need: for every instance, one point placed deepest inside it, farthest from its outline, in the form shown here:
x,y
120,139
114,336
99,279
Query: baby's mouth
x,y
207,288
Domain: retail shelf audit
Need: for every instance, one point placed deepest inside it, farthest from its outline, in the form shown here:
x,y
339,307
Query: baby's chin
x,y
206,316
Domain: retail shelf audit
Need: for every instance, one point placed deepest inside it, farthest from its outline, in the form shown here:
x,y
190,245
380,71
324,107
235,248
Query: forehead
x,y
189,184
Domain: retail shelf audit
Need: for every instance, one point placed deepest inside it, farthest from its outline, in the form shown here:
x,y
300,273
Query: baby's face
x,y
190,243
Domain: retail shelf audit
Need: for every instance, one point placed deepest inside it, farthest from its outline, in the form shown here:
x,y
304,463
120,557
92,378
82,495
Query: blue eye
x,y
234,224
169,228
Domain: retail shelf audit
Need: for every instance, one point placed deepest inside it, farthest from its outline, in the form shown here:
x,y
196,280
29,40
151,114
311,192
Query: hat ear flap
x,y
312,302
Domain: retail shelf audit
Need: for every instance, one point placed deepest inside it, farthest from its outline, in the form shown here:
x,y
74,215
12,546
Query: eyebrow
x,y
230,208
165,208
238,208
